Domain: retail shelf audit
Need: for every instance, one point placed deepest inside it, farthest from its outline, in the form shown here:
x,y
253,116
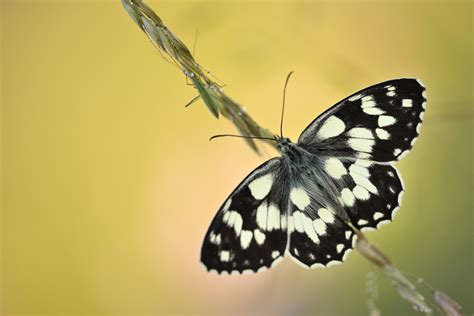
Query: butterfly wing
x,y
351,178
319,235
249,232
379,123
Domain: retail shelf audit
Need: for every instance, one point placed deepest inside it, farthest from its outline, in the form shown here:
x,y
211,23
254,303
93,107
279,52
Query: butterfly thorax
x,y
295,156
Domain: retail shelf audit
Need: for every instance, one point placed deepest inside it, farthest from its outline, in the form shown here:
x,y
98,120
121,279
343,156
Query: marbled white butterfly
x,y
339,174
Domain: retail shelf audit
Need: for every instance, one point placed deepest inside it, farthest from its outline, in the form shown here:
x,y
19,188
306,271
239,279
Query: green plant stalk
x,y
173,49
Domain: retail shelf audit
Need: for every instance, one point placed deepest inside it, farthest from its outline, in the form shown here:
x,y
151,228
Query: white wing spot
x,y
422,115
362,222
361,193
326,215
339,247
382,134
261,186
283,221
347,197
374,111
319,226
275,253
225,256
245,238
227,205
386,120
378,215
397,151
391,93
335,168
363,155
300,198
364,182
360,144
364,163
262,214
273,219
367,102
231,218
355,97
309,228
363,171
298,221
238,222
226,217
360,132
215,239
332,127
390,88
407,103
259,236
348,234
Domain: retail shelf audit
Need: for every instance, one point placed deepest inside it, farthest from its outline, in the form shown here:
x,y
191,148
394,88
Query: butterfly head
x,y
284,144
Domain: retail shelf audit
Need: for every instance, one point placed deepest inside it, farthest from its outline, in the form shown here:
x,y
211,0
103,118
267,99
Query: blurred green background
x,y
109,183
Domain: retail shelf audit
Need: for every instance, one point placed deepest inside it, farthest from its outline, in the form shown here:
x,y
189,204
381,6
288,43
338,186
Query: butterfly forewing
x,y
249,233
379,123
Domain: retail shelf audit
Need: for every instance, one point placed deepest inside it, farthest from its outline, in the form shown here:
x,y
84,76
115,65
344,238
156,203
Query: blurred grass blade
x,y
404,287
449,306
174,50
407,290
371,252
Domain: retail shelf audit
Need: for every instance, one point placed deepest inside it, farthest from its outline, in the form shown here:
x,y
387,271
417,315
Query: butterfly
x,y
338,177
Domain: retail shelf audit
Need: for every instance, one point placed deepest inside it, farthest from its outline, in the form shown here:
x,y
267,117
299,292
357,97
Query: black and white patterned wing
x,y
370,192
319,235
379,123
358,139
249,232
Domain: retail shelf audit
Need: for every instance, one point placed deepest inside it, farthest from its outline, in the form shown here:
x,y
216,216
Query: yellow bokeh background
x,y
109,183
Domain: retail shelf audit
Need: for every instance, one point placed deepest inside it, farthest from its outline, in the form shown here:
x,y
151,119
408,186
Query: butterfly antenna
x,y
283,106
240,136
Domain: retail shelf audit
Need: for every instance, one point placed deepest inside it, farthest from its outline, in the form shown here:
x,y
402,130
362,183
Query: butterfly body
x,y
339,175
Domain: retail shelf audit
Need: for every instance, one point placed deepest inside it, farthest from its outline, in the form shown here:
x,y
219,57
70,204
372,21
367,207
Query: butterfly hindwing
x,y
372,194
369,193
379,123
318,236
249,231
